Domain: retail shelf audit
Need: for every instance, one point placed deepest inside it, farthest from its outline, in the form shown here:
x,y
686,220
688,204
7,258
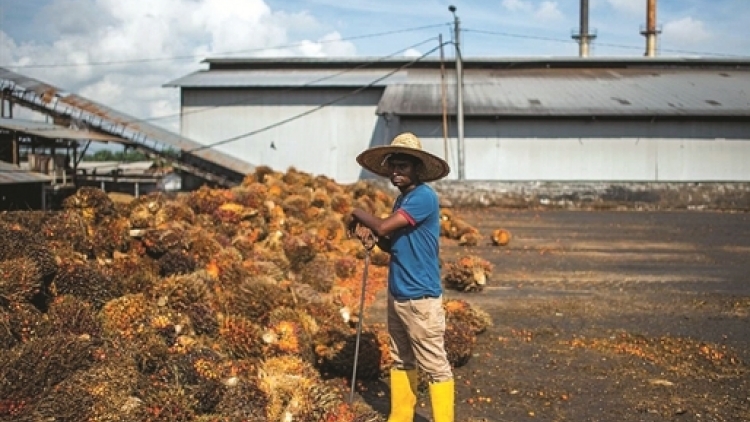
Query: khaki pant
x,y
417,336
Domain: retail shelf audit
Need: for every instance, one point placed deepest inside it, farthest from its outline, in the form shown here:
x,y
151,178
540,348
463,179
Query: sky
x,y
121,53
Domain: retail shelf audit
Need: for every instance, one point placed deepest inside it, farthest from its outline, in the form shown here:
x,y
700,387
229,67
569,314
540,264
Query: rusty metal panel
x,y
604,92
11,174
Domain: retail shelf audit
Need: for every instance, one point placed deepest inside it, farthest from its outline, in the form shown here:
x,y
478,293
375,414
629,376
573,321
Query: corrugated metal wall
x,y
322,142
570,150
545,149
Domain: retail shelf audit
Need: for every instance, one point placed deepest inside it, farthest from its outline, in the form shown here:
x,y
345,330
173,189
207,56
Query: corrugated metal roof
x,y
11,174
287,78
581,93
275,63
51,131
58,99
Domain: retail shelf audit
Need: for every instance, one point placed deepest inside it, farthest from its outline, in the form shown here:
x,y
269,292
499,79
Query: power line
x,y
308,84
229,53
623,46
315,109
286,90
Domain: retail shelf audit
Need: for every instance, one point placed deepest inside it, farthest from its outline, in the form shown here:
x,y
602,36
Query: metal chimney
x,y
583,36
650,32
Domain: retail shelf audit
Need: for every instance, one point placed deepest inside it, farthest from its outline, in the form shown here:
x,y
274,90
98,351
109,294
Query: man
x,y
416,319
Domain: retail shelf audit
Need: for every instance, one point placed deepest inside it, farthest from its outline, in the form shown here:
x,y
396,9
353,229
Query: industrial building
x,y
644,119
41,160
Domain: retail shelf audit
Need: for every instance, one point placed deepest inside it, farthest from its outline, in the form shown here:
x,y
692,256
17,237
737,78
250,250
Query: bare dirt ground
x,y
606,316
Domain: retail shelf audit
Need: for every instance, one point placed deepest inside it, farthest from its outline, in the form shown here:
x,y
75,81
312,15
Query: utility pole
x,y
459,92
443,96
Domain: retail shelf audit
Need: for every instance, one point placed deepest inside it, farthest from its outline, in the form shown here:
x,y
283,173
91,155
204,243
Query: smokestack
x,y
650,32
583,36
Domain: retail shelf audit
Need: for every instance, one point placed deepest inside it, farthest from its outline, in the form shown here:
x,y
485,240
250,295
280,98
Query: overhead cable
x,y
229,53
317,108
294,88
623,46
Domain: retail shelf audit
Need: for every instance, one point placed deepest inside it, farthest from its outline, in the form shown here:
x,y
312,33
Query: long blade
x,y
359,325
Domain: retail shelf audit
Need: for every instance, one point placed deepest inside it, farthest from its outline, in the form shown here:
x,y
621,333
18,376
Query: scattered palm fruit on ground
x,y
454,227
500,237
468,273
214,305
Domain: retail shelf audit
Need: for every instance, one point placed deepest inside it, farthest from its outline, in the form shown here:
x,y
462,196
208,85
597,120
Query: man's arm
x,y
381,227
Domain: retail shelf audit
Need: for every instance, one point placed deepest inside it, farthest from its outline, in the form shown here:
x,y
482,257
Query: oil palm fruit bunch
x,y
91,203
110,235
19,242
67,229
468,273
126,316
203,319
20,280
470,238
251,194
295,390
86,281
136,271
176,261
159,240
68,314
459,342
299,249
169,403
335,353
241,336
287,337
296,206
255,299
98,393
243,400
460,310
21,322
205,200
319,273
28,372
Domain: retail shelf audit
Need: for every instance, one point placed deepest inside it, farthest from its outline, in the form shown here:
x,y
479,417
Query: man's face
x,y
403,172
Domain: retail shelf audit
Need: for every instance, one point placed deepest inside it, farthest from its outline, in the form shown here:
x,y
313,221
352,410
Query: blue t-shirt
x,y
414,269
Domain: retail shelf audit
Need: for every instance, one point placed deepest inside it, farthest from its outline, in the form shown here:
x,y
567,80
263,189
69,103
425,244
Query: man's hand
x,y
367,237
364,234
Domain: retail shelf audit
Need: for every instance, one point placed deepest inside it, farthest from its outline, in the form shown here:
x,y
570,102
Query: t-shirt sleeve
x,y
418,206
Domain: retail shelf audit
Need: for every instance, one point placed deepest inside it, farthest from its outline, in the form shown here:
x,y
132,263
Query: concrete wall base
x,y
593,195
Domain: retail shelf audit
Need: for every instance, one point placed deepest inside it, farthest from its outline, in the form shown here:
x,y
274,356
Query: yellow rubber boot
x,y
403,395
442,397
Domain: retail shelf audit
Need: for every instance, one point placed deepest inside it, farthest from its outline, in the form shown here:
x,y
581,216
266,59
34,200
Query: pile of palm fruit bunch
x,y
214,305
468,273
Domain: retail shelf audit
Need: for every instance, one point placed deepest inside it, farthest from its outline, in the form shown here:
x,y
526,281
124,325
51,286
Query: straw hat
x,y
375,158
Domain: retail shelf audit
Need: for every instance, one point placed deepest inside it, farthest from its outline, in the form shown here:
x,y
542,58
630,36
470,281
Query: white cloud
x,y
685,32
548,11
103,59
412,52
545,11
517,5
629,6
